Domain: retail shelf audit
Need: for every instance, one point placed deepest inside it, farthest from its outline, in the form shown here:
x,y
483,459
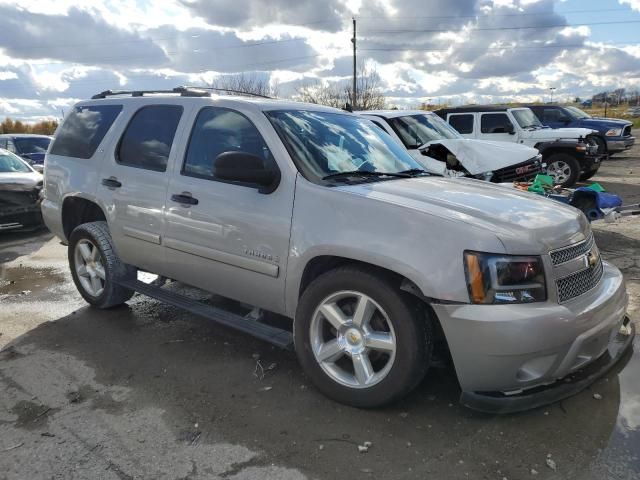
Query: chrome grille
x,y
579,283
573,251
522,172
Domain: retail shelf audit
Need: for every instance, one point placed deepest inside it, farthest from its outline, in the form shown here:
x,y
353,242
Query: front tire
x,y
564,169
361,340
96,268
600,142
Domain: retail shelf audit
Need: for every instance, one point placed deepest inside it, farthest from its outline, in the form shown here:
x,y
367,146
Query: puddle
x,y
23,281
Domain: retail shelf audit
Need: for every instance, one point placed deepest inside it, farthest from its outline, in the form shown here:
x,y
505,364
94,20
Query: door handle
x,y
184,199
111,182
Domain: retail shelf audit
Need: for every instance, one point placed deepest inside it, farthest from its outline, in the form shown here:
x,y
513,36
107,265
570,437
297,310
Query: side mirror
x,y
246,168
509,129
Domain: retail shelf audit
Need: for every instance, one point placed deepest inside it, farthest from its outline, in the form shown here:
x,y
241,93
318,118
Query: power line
x,y
485,29
505,47
491,15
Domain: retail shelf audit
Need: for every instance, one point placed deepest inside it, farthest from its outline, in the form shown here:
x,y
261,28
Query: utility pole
x,y
353,40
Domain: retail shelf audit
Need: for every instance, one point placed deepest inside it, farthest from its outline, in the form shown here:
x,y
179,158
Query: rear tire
x,y
361,340
96,267
564,168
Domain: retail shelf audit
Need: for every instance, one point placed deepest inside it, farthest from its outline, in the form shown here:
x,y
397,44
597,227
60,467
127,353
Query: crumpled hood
x,y
524,222
480,156
19,181
555,133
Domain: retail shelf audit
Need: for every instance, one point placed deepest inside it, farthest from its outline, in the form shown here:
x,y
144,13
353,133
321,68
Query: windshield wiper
x,y
414,172
364,173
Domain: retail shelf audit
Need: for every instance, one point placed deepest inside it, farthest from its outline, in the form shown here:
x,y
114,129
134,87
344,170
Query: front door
x,y
133,183
222,236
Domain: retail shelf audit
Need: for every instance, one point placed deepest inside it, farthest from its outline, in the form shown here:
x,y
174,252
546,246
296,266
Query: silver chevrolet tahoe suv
x,y
314,214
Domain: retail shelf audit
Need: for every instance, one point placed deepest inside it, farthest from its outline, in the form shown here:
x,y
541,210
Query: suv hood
x,y
598,122
556,133
524,222
480,156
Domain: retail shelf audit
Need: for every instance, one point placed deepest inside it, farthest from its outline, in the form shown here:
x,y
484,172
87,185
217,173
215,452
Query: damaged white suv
x,y
312,214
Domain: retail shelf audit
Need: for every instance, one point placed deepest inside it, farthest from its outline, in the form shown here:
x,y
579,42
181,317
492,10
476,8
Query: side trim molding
x,y
141,235
223,257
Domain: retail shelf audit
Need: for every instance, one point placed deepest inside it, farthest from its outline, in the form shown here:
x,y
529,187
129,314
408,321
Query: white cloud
x,y
52,53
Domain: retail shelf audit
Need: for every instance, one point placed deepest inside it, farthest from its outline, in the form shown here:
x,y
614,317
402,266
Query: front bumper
x,y
619,144
13,218
497,402
504,355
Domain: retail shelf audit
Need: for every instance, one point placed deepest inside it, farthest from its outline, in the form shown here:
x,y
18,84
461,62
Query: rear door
x,y
496,126
134,179
222,236
463,123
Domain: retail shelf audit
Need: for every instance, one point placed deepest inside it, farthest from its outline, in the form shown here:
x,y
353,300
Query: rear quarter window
x,y
83,130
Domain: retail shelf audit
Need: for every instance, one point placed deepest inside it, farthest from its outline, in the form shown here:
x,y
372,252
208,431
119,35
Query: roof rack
x,y
182,91
231,90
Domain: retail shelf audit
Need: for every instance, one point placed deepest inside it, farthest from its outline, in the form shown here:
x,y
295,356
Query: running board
x,y
276,336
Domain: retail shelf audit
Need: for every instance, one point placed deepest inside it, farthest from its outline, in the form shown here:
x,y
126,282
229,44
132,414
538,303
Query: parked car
x,y
570,153
633,112
440,149
613,135
20,188
316,215
30,147
587,103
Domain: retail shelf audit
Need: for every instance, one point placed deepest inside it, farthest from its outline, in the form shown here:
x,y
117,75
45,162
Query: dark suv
x,y
613,136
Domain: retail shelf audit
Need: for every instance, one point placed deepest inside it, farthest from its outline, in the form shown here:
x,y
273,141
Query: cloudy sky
x,y
53,53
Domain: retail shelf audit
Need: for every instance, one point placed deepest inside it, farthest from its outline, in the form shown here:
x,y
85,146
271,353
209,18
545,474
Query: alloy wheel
x,y
560,171
352,339
89,267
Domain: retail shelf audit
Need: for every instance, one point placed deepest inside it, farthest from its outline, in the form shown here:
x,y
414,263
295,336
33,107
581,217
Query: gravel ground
x,y
148,391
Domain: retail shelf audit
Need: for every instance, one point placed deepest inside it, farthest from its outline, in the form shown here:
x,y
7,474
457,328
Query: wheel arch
x,y
78,209
402,276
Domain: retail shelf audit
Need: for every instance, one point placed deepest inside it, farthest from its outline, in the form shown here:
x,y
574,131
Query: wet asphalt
x,y
149,391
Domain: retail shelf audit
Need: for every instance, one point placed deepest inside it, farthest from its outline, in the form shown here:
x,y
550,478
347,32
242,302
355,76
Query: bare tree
x,y
253,84
369,94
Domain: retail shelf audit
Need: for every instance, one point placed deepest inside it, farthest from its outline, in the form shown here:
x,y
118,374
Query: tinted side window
x,y
146,143
462,123
219,130
3,143
83,130
552,115
495,123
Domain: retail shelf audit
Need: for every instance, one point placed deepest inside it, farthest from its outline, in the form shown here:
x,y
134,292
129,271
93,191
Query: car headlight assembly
x,y
614,132
504,279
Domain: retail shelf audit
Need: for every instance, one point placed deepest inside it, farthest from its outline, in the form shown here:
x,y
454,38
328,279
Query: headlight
x,y
614,132
495,278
